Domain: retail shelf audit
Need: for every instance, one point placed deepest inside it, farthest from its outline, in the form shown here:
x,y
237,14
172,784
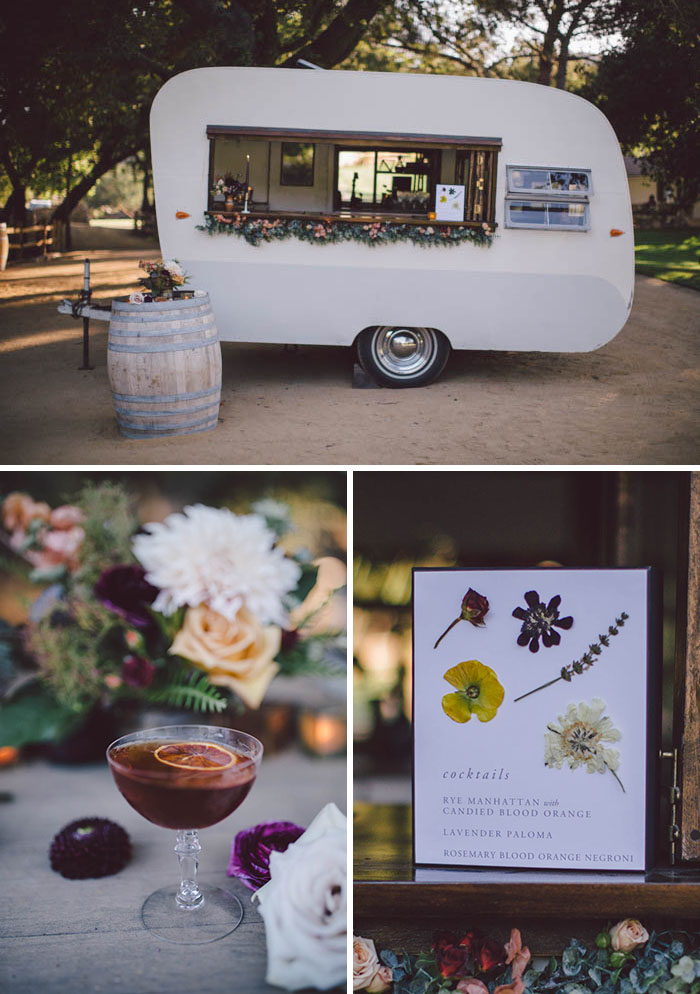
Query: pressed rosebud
x,y
617,960
602,940
474,609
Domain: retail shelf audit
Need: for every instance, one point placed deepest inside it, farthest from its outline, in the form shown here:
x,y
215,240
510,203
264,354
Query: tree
x,y
650,91
77,80
477,36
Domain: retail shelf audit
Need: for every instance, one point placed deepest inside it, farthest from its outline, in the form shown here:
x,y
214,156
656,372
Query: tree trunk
x,y
68,235
145,205
341,36
76,194
562,64
546,60
15,206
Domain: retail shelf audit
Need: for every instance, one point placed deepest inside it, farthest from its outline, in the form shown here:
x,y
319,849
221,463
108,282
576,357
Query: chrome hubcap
x,y
404,351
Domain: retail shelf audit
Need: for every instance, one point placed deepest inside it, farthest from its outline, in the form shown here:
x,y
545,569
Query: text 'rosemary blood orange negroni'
x,y
181,784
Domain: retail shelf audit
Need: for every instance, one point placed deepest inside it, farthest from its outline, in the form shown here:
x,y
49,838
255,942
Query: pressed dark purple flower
x,y
126,591
539,621
251,849
137,671
90,847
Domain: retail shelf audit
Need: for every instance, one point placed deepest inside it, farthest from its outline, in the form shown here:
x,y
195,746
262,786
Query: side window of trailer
x,y
547,197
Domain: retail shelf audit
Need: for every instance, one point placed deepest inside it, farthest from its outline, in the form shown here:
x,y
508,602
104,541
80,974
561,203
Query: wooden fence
x,y
30,240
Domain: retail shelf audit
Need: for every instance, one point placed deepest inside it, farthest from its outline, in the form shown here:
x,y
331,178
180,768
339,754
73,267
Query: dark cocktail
x,y
187,777
182,784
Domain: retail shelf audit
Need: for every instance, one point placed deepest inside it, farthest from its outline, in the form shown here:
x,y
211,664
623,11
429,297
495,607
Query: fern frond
x,y
187,689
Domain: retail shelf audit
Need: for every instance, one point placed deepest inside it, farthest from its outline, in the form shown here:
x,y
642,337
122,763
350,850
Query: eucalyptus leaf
x,y
33,715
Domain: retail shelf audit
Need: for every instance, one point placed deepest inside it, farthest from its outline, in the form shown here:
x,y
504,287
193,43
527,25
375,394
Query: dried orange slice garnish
x,y
195,756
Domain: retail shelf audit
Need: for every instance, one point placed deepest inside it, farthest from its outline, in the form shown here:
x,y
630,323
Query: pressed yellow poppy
x,y
478,692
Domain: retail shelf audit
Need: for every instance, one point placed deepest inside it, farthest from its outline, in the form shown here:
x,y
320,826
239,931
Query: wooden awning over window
x,y
362,139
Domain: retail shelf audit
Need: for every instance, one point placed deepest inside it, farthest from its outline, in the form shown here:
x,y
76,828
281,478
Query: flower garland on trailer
x,y
624,959
327,232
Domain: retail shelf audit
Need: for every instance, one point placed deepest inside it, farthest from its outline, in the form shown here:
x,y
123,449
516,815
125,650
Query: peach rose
x,y
365,963
516,954
66,516
238,654
57,548
627,935
19,510
470,985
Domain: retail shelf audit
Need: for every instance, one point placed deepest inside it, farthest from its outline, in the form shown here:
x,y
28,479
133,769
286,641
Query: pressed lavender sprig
x,y
587,659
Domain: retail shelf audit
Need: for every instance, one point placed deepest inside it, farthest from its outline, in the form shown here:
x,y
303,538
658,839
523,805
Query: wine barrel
x,y
164,365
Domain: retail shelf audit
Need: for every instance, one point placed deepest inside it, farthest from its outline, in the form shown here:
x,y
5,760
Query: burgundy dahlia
x,y
251,850
126,591
137,671
90,847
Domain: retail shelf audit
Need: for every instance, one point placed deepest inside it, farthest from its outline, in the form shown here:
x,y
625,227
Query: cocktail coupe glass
x,y
187,777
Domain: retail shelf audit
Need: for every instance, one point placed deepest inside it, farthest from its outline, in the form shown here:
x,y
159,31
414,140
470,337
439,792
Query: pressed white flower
x,y
578,740
212,556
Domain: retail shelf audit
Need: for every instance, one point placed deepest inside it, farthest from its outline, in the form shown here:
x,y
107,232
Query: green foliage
x,y
69,660
34,715
109,528
256,232
120,187
649,89
321,655
187,688
669,254
78,78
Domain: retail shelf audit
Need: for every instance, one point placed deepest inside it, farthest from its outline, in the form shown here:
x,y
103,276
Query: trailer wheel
x,y
403,357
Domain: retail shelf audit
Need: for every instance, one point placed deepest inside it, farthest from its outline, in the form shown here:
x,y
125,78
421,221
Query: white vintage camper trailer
x,y
346,177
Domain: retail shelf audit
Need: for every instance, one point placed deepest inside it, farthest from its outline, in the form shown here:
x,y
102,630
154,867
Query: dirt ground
x,y
635,401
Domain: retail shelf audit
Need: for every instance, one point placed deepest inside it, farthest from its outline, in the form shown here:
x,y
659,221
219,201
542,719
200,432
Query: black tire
x,y
403,357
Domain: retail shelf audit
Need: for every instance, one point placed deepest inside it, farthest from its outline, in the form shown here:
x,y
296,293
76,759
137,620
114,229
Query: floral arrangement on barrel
x,y
624,959
163,276
199,612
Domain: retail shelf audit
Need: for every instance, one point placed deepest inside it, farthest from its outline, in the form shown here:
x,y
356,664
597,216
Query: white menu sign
x,y
449,202
534,718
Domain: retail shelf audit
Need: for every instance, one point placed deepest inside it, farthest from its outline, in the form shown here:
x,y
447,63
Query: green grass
x,y
671,254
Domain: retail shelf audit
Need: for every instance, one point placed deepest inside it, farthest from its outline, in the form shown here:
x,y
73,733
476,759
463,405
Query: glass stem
x,y
189,895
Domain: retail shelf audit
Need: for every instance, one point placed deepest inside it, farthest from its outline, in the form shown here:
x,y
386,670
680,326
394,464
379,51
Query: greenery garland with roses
x,y
327,232
624,959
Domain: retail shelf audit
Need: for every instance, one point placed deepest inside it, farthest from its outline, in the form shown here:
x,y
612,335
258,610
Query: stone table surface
x,y
62,936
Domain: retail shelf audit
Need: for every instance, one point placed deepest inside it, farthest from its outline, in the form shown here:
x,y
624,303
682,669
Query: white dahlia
x,y
212,556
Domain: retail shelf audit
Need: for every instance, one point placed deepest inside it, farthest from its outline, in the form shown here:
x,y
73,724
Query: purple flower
x,y
251,848
126,592
137,671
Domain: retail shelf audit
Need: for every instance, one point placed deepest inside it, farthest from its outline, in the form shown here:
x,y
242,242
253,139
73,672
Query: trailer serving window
x,y
351,174
545,197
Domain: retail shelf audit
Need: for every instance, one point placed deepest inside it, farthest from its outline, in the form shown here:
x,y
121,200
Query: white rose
x,y
304,907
